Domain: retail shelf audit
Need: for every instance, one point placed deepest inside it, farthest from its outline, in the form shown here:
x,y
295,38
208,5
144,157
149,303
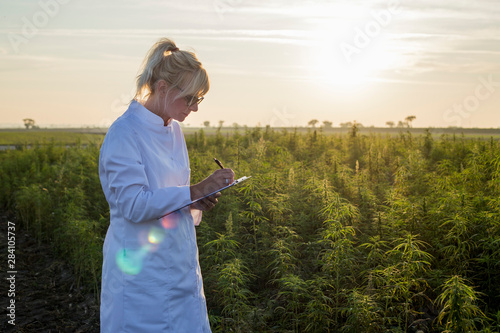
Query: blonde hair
x,y
180,69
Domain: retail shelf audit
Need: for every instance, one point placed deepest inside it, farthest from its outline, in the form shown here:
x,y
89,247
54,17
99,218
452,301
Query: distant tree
x,y
313,122
354,129
206,123
390,124
409,119
346,125
221,122
402,124
327,124
29,123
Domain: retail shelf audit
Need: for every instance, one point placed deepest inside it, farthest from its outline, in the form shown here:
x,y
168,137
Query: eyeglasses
x,y
190,99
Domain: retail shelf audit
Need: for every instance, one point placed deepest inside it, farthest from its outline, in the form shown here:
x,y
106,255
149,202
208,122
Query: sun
x,y
330,66
335,59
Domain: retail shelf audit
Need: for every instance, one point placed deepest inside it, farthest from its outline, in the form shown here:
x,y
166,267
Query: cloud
x,y
270,36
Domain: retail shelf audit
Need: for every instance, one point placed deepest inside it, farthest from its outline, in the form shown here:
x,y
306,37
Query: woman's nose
x,y
194,107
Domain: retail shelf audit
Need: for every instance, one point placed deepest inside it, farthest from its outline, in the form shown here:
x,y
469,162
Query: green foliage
x,y
22,137
56,194
333,233
459,309
363,313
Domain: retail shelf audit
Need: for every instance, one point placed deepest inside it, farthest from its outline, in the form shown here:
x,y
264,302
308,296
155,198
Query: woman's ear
x,y
161,86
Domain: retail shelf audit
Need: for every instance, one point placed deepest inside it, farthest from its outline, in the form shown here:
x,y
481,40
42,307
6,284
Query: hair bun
x,y
185,71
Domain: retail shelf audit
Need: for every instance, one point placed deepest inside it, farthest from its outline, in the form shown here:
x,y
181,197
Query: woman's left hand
x,y
207,203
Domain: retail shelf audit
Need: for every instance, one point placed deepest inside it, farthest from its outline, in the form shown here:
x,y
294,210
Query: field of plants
x,y
346,232
43,137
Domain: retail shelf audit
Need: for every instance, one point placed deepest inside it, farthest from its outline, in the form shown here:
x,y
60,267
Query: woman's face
x,y
177,107
168,103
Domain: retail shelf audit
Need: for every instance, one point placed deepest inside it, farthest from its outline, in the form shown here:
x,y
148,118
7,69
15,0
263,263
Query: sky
x,y
275,62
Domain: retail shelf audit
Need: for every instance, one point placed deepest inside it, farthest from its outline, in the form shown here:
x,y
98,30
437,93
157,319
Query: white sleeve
x,y
122,168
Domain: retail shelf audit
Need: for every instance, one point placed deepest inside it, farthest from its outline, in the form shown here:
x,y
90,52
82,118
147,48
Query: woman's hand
x,y
207,203
217,180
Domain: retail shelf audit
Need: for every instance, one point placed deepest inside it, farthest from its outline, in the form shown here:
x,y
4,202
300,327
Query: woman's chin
x,y
182,117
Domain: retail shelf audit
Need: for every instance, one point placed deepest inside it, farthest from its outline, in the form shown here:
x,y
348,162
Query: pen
x,y
218,163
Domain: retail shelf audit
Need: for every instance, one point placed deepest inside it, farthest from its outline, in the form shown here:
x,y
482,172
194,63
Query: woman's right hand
x,y
217,180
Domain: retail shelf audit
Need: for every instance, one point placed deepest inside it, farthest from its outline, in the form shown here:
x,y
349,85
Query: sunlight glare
x,y
330,65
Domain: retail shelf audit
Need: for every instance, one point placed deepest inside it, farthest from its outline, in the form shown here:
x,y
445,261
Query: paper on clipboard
x,y
236,182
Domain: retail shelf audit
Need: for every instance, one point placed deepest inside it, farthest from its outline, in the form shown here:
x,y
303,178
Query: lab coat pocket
x,y
145,308
144,295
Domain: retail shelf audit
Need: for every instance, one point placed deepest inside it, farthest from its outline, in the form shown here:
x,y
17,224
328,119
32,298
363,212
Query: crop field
x,y
72,136
43,137
353,231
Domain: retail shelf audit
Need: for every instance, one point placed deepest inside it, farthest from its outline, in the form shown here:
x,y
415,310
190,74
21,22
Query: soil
x,y
47,297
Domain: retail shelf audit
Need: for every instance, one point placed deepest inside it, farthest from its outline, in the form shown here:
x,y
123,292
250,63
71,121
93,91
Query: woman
x,y
151,280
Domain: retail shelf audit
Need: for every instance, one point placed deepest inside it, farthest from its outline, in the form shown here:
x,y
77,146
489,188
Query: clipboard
x,y
236,182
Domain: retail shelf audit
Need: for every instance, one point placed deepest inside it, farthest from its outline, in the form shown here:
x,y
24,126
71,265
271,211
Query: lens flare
x,y
156,235
130,261
170,221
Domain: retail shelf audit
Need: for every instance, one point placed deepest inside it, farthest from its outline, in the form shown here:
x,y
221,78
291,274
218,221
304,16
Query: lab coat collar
x,y
148,118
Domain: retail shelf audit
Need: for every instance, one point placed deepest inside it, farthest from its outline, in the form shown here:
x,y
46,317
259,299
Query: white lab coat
x,y
151,279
